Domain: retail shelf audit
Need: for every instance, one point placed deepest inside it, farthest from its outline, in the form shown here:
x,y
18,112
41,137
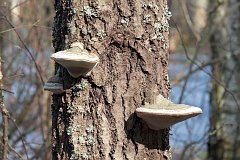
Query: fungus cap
x,y
76,60
54,84
164,113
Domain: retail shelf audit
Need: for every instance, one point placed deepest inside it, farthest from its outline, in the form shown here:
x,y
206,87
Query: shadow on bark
x,y
138,131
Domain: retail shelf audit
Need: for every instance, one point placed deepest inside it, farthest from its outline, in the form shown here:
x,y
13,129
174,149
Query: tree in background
x,y
94,118
224,136
25,36
4,134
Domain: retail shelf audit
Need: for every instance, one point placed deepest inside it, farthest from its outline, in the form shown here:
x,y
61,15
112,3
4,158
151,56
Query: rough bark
x,y
95,118
224,119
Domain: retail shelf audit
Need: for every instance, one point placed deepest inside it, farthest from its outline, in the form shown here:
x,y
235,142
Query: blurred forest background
x,y
204,69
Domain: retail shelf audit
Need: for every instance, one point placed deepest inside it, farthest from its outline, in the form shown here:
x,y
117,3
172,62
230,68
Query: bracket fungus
x,y
77,60
54,84
164,113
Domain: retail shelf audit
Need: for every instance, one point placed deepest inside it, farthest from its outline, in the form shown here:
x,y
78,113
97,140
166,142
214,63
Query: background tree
x,y
224,134
95,118
24,27
4,134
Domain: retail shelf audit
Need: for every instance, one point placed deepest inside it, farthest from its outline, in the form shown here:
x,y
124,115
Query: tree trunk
x,y
233,80
95,118
4,134
199,15
224,116
4,111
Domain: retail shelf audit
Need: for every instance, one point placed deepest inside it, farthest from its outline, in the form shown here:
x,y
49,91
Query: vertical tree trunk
x,y
4,117
95,118
4,135
199,14
224,121
233,80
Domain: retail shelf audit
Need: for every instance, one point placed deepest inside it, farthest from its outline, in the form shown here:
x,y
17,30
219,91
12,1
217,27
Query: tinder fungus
x,y
54,84
164,113
77,60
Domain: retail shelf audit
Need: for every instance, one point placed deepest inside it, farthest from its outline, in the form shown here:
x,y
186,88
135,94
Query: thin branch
x,y
5,90
29,52
199,66
19,132
11,149
203,65
188,20
191,65
24,26
15,152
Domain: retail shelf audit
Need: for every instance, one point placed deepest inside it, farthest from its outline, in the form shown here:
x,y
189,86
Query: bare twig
x,y
29,52
188,20
11,149
5,90
19,132
203,65
199,66
22,26
15,152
